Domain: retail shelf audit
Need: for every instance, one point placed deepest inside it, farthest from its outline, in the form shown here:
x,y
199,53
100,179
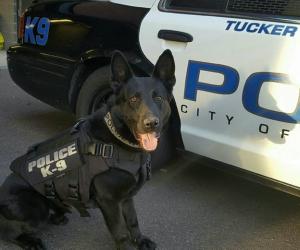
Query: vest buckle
x,y
49,190
107,151
73,192
100,149
76,127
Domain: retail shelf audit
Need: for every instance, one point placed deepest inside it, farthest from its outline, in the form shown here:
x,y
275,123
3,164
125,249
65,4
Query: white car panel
x,y
218,125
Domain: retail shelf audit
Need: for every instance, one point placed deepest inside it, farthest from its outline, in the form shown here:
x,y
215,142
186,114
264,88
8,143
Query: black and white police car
x,y
237,69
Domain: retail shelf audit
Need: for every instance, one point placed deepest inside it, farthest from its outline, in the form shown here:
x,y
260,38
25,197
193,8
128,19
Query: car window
x,y
271,8
195,5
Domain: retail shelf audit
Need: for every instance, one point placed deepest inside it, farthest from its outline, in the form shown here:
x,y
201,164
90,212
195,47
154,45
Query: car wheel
x,y
94,92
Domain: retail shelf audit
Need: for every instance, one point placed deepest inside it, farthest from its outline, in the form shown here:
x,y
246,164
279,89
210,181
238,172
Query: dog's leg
x,y
112,212
22,215
29,242
130,216
58,217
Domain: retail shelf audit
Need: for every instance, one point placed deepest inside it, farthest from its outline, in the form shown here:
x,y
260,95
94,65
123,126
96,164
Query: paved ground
x,y
185,206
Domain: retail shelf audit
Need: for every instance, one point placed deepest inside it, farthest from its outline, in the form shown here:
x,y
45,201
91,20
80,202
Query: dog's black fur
x,y
138,105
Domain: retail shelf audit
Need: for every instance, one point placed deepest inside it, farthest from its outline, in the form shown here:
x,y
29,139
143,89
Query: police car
x,y
237,70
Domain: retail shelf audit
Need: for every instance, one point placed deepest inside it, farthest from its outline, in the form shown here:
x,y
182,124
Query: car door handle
x,y
174,35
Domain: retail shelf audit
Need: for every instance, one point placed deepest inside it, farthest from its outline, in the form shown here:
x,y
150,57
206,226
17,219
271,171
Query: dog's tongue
x,y
148,141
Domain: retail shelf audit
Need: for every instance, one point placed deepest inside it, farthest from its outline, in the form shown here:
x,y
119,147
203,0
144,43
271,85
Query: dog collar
x,y
109,123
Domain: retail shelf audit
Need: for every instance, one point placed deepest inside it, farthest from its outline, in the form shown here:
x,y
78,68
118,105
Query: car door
x,y
237,70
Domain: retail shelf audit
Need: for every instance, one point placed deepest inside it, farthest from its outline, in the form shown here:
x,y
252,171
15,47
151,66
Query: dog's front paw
x,y
28,242
59,220
126,245
144,243
34,247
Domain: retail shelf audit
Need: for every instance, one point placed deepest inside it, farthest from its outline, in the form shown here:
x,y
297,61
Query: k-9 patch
x,y
53,164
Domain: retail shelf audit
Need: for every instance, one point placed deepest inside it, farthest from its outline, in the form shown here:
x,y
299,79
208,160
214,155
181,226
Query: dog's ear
x,y
165,70
120,69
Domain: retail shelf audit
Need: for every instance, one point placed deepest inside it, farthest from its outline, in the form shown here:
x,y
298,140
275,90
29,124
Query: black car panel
x,y
41,75
79,33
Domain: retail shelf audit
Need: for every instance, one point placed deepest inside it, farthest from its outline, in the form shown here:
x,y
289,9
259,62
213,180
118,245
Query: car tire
x,y
93,92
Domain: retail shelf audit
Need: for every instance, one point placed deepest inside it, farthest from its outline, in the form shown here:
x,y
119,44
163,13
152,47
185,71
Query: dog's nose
x,y
151,122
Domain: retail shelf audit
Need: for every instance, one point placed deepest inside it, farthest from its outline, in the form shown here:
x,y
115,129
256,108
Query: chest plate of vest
x,y
53,164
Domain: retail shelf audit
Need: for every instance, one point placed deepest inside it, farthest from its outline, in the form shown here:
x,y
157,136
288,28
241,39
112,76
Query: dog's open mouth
x,y
148,141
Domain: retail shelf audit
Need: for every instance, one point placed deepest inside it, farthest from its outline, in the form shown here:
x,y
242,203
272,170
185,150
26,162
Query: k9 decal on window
x,y
37,30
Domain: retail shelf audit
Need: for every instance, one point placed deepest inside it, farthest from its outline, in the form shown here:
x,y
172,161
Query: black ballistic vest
x,y
62,168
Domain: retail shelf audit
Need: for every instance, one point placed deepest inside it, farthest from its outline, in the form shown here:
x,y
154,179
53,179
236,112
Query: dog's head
x,y
142,103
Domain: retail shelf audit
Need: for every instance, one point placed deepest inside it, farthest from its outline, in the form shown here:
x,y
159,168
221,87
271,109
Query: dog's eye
x,y
158,98
133,99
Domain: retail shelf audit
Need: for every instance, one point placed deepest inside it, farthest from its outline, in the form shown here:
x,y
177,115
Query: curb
x,y
3,67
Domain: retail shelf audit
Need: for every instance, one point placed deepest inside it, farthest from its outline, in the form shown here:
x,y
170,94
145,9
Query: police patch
x,y
53,164
56,161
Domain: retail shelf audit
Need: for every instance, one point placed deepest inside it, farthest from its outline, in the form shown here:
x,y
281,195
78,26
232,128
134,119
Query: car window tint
x,y
195,5
278,8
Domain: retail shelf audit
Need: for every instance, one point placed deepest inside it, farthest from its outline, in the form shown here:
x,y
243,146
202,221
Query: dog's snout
x,y
151,122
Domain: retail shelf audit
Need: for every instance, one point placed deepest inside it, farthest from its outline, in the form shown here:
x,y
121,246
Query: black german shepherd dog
x,y
139,108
